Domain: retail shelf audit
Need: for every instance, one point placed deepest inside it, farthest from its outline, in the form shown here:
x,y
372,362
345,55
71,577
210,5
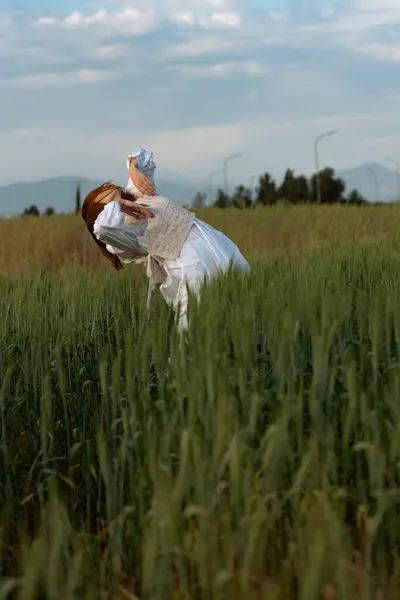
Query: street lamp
x,y
316,143
397,165
214,174
252,178
228,160
375,176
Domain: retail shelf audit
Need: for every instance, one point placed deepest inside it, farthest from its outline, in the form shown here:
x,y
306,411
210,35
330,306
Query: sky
x,y
84,83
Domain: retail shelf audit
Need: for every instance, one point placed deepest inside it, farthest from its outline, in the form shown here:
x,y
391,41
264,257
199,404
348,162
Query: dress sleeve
x,y
110,229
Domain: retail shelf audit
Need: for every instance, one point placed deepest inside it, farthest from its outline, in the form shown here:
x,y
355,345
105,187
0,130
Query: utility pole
x,y
375,176
316,156
252,178
397,165
210,180
225,169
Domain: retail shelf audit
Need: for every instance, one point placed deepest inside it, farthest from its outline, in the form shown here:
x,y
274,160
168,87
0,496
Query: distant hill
x,y
361,179
59,193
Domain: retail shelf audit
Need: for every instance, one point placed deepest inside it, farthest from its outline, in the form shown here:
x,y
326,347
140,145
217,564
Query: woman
x,y
136,225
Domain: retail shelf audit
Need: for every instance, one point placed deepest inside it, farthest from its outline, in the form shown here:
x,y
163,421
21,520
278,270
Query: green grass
x,y
258,459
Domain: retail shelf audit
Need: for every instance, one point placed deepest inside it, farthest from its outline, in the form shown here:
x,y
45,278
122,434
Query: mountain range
x,y
59,192
362,178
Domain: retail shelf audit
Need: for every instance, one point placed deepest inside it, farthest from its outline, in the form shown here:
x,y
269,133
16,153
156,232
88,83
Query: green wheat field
x,y
257,459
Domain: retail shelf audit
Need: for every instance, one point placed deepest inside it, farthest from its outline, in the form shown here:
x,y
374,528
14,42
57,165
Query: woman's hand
x,y
135,210
143,183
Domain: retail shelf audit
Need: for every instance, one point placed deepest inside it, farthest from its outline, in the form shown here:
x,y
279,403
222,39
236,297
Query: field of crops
x,y
259,459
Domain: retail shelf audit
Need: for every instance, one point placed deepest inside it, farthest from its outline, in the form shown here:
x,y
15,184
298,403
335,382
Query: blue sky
x,y
83,83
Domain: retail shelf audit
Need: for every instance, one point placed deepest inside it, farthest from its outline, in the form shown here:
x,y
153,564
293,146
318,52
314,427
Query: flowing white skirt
x,y
206,253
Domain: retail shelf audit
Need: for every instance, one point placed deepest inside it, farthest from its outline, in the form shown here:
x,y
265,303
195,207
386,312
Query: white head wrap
x,y
146,164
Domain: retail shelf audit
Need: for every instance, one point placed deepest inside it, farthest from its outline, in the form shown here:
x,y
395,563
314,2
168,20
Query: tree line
x,y
294,189
33,211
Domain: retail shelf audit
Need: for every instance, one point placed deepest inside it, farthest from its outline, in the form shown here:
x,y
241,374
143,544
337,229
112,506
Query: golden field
x,y
52,243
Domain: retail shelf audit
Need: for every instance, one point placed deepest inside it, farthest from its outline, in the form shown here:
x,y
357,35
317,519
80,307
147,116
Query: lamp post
x,y
375,176
225,169
214,174
252,178
316,144
397,165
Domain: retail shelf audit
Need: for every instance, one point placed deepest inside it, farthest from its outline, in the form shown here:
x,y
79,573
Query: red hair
x,y
92,207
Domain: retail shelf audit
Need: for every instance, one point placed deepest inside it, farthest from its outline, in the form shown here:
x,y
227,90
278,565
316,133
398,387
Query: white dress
x,y
205,253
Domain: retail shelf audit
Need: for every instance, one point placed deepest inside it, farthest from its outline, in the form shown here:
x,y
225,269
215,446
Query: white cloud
x,y
199,46
188,18
128,20
376,5
75,18
43,21
6,19
358,23
224,19
57,79
367,15
110,51
223,69
381,52
102,17
140,17
227,18
218,3
28,133
278,16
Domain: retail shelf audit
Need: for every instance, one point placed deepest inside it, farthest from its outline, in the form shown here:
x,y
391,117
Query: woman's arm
x,y
109,228
135,210
118,239
143,183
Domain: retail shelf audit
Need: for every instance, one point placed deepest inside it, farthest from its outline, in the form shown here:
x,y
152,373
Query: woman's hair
x,y
92,207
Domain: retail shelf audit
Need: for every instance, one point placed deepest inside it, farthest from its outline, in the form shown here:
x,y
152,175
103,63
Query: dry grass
x,y
56,242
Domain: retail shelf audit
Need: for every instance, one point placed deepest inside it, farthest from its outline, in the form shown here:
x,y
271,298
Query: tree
x,y
294,189
242,197
78,203
32,211
266,191
49,211
223,200
332,188
199,200
355,198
